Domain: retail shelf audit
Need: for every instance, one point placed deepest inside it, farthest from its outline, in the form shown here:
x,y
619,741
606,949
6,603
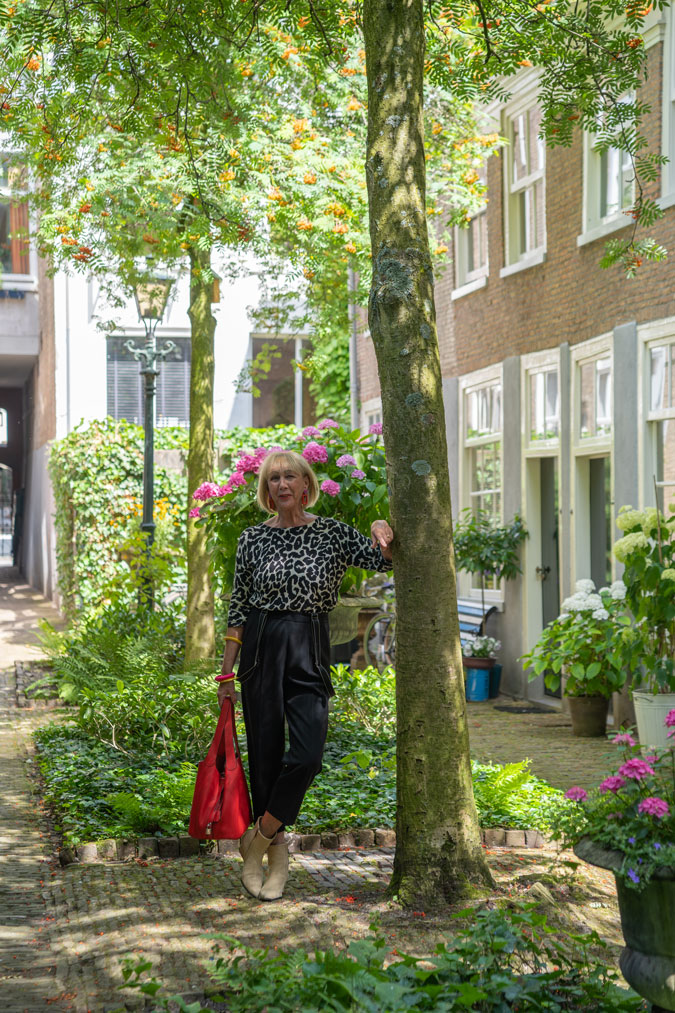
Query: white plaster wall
x,y
38,549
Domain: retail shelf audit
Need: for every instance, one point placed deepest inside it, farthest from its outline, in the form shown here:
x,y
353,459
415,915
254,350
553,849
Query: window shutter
x,y
173,387
124,384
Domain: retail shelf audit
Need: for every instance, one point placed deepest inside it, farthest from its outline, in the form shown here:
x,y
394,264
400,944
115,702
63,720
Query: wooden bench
x,y
472,619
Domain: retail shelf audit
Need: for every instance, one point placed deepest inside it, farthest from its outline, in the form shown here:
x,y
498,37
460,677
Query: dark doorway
x,y
549,570
600,516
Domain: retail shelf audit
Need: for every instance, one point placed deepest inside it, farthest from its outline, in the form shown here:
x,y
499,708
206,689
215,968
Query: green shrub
x,y
160,804
503,961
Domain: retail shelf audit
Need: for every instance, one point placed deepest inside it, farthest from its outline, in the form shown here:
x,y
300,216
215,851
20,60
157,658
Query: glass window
x,y
471,249
483,410
616,182
595,397
544,405
662,400
3,427
125,385
13,220
526,210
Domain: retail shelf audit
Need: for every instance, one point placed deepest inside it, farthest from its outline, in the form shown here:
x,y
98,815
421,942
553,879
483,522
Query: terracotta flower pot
x,y
648,925
470,662
589,715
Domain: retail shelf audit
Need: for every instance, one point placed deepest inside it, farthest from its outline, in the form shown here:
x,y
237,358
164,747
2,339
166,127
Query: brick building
x,y
558,376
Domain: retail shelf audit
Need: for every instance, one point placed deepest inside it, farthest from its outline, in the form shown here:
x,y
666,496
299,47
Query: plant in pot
x,y
647,550
479,657
627,825
487,549
585,646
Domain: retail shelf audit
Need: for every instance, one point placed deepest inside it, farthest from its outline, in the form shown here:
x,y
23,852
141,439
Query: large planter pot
x,y
650,713
589,715
648,925
477,672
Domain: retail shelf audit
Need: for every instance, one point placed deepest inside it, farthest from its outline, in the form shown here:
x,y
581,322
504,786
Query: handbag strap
x,y
225,741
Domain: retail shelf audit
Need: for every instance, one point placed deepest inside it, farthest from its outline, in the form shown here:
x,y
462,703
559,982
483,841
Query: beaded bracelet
x,y
235,640
224,678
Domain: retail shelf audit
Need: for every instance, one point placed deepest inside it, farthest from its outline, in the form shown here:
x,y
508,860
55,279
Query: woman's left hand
x,y
383,536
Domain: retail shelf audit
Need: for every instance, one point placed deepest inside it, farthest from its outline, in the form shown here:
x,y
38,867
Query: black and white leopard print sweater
x,y
297,569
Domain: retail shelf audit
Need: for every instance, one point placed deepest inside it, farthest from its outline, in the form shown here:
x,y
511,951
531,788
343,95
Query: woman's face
x,y
286,487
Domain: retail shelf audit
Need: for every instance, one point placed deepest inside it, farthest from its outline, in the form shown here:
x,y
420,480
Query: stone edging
x,y
184,846
23,680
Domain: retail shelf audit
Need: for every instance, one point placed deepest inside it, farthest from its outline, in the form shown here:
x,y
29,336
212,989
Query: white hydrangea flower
x,y
629,518
618,590
651,521
601,614
585,586
632,542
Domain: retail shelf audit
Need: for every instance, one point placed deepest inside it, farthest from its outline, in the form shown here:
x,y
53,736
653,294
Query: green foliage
x,y
100,791
97,478
585,643
647,550
482,547
227,510
503,960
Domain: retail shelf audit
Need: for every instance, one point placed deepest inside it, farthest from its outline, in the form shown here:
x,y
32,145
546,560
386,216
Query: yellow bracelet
x,y
235,640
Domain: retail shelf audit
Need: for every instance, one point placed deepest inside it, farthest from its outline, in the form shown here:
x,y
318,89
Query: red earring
x,y
304,498
270,504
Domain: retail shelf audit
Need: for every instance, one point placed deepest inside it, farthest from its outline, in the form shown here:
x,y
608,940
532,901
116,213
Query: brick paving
x,y
64,932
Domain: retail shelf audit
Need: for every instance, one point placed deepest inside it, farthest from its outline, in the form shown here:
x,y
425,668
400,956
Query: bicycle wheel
x,y
376,641
389,644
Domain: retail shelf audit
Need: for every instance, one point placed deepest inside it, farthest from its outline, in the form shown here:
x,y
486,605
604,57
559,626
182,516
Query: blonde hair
x,y
294,462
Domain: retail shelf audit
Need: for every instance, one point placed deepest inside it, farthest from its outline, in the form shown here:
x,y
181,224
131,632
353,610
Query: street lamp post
x,y
151,299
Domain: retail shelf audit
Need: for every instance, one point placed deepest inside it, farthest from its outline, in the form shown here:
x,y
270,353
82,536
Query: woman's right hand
x,y
227,691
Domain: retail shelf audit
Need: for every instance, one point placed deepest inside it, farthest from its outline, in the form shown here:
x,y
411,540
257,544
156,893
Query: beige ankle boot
x,y
277,872
252,872
245,840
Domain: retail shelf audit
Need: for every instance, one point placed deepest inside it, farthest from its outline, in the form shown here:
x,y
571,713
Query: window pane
x,y
537,406
520,146
552,405
587,414
5,245
665,462
603,395
671,375
658,397
537,143
3,427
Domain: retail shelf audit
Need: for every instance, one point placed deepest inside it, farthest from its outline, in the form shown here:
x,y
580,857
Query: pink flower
x,y
225,489
576,794
330,487
669,721
652,757
345,460
357,473
654,807
207,490
624,739
328,424
236,480
635,769
613,783
194,512
375,429
315,453
250,462
310,431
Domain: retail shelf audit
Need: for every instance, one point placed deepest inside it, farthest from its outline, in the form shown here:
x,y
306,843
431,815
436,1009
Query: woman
x,y
287,577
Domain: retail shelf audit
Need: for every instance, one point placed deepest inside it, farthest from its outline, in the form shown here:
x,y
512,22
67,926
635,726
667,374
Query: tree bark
x,y
439,857
200,639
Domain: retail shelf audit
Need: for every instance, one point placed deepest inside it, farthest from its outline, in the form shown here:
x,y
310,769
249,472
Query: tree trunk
x,y
200,640
438,849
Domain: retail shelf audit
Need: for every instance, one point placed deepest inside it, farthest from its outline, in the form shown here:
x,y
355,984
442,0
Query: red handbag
x,y
221,808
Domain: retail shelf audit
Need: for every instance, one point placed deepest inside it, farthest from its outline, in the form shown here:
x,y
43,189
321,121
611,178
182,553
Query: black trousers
x,y
284,676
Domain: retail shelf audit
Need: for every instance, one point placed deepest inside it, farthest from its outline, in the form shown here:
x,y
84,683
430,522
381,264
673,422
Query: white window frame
x,y
4,427
654,334
469,383
526,100
531,365
371,412
594,225
589,447
21,282
668,114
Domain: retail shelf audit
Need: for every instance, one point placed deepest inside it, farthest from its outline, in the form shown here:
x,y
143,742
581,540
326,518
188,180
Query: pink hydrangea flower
x,y
236,480
330,487
652,757
654,807
225,489
207,490
251,462
636,769
194,512
624,739
328,424
315,453
375,429
576,794
613,784
669,721
345,460
310,431
357,473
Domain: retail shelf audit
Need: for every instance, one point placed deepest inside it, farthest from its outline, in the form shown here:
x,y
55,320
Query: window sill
x,y
469,287
531,260
666,201
603,229
19,282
